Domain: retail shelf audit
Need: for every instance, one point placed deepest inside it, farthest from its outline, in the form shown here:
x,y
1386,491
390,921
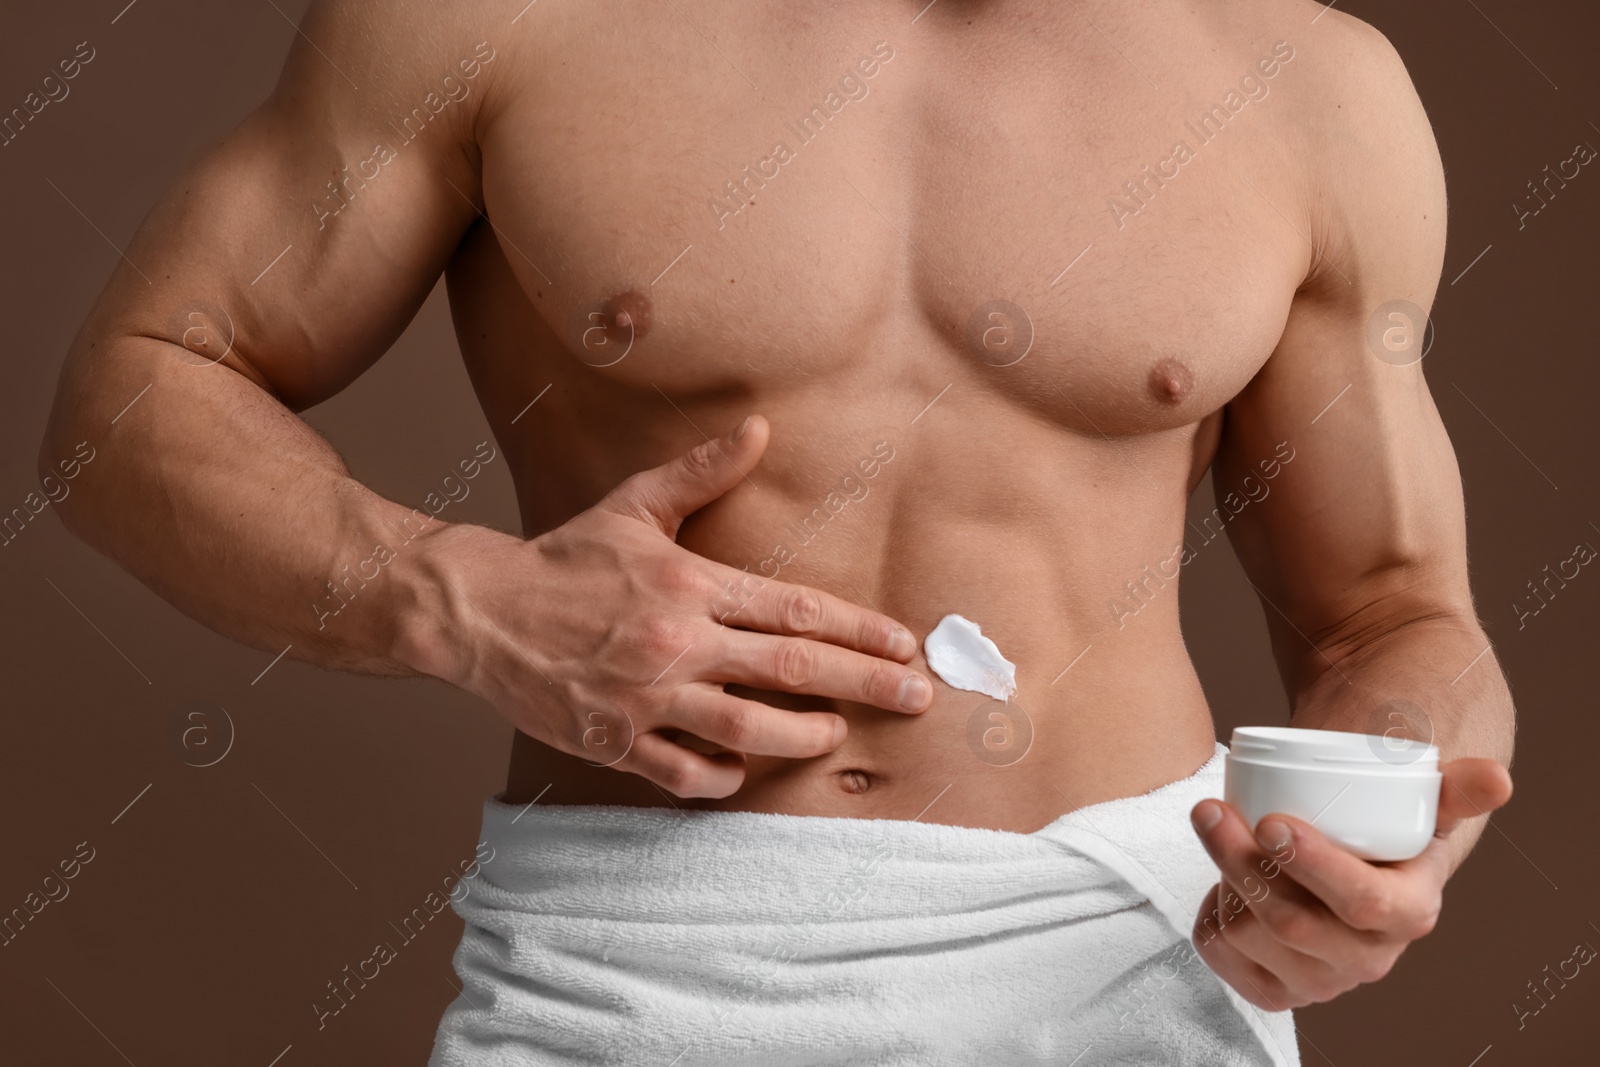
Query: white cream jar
x,y
1376,795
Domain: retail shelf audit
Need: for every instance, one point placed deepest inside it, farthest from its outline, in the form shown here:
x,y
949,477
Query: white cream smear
x,y
963,658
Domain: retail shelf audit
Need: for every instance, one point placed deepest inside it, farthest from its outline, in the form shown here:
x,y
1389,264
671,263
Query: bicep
x,y
302,244
1364,527
1363,503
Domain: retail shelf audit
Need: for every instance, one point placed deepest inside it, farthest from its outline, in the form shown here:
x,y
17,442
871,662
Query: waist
x,y
968,761
547,857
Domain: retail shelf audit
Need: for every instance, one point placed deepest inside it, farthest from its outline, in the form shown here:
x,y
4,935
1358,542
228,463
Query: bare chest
x,y
718,196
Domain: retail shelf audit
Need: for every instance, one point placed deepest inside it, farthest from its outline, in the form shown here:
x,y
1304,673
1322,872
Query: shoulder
x,y
1372,177
390,60
1352,66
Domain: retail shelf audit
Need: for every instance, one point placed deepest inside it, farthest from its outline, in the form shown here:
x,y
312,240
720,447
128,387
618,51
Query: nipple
x,y
1171,381
603,336
626,316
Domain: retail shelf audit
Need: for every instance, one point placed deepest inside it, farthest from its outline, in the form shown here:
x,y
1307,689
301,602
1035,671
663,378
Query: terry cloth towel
x,y
602,934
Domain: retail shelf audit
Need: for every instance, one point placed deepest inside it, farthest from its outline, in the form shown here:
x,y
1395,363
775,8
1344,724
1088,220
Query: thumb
x,y
1471,787
666,495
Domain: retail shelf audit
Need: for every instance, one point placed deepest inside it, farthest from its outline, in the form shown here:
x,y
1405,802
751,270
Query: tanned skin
x,y
564,170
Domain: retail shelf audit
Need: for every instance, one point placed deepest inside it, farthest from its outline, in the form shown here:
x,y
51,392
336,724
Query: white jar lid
x,y
1294,747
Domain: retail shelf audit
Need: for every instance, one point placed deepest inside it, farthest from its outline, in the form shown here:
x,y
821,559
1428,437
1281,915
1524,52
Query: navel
x,y
855,781
1171,381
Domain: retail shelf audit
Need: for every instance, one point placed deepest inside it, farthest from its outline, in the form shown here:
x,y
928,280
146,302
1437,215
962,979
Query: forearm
x,y
232,508
1441,667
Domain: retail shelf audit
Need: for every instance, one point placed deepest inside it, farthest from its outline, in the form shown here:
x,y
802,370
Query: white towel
x,y
615,935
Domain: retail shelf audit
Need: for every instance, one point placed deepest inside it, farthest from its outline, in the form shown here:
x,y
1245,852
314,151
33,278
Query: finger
x,y
1303,976
1392,901
799,611
1251,980
798,665
1297,920
1255,876
681,771
756,728
666,495
1471,787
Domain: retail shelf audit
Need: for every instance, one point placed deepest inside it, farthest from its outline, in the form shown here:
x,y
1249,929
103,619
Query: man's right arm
x,y
280,267
276,269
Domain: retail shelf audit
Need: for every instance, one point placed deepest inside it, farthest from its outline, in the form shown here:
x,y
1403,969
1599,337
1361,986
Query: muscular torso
x,y
893,296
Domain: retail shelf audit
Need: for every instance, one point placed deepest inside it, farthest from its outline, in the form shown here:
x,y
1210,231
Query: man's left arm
x,y
1358,553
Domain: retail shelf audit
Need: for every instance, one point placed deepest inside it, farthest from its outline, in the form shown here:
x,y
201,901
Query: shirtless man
x,y
801,326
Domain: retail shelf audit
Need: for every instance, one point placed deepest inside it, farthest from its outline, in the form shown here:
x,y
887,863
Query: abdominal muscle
x,y
856,300
1027,530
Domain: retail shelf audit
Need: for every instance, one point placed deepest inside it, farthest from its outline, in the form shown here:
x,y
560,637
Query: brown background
x,y
208,923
